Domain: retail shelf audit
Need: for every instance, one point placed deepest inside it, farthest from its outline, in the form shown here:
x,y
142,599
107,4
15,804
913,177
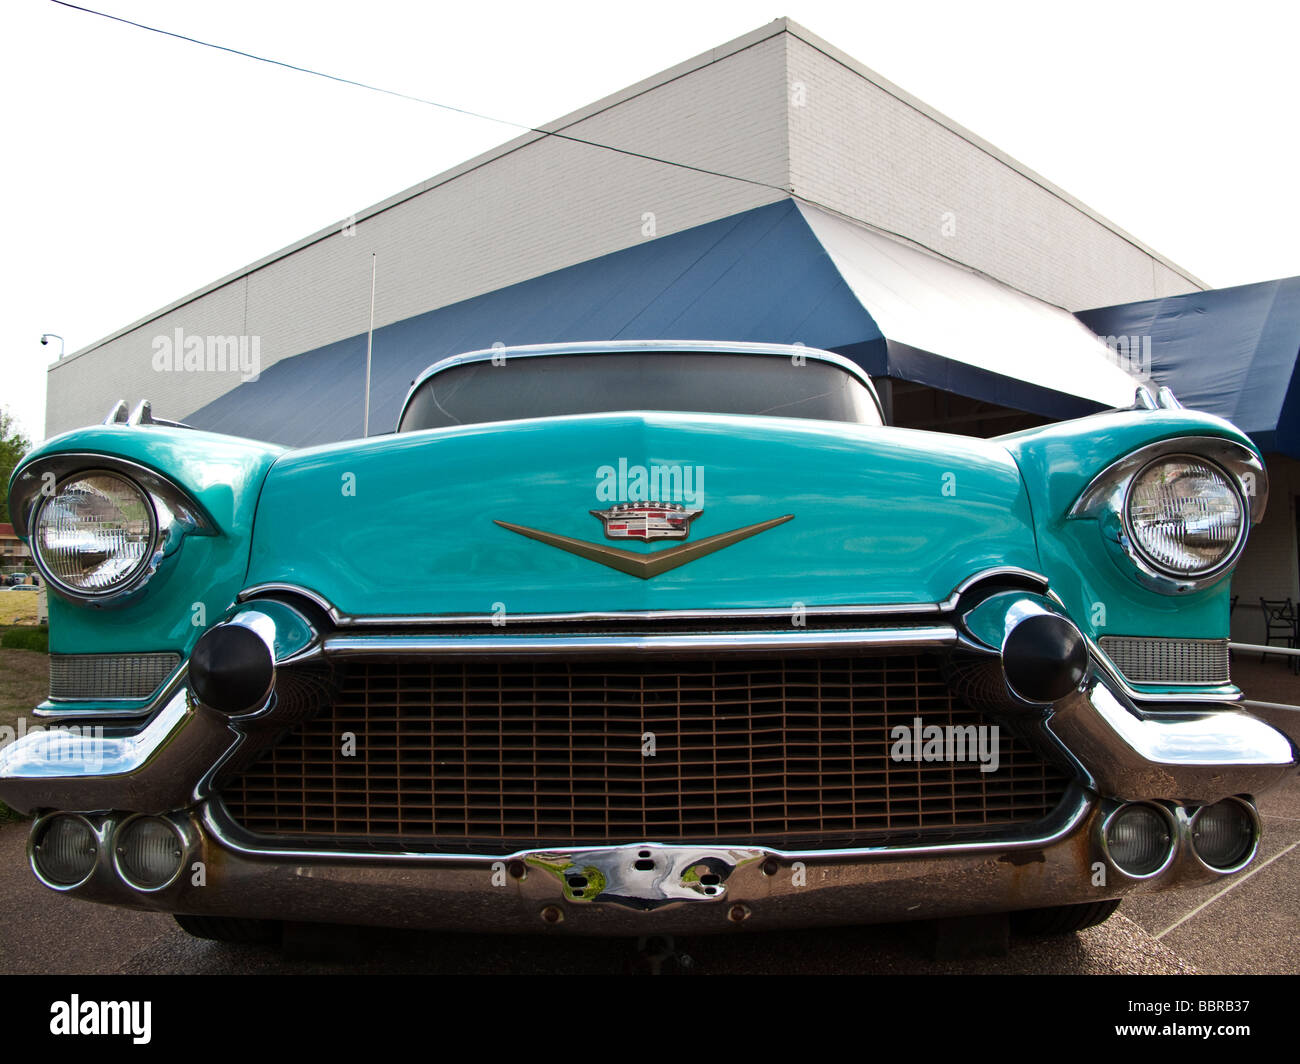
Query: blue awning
x,y
781,273
1230,351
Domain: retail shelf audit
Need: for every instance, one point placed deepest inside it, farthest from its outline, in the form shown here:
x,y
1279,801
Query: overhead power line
x,y
786,191
420,99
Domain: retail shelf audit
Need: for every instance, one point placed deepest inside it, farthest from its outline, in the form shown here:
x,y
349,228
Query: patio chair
x,y
1279,625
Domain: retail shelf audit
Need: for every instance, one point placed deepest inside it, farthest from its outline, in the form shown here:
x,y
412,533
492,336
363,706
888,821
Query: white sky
x,y
138,168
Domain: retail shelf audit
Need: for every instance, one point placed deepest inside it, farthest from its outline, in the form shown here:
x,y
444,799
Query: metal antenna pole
x,y
370,346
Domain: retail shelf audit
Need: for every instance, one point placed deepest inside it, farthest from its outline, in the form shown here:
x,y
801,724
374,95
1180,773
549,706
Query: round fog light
x,y
149,852
64,850
1138,840
1223,835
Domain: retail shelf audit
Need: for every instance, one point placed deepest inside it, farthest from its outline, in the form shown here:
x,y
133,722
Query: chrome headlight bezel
x,y
1135,540
175,514
1106,498
135,575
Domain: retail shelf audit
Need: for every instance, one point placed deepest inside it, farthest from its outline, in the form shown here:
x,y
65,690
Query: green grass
x,y
37,639
24,683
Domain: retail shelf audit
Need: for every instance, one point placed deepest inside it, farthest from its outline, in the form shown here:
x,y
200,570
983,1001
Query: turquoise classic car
x,y
641,638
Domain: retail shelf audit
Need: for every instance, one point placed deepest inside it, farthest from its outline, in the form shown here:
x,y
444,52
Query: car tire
x,y
229,929
1063,919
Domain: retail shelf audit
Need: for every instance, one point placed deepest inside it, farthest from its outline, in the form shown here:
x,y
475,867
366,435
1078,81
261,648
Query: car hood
x,y
497,519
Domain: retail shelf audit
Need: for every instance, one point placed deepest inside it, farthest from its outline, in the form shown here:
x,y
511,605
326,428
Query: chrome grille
x,y
96,677
509,755
1173,661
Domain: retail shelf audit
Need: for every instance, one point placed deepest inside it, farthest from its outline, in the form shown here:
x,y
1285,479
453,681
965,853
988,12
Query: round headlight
x,y
95,535
1185,515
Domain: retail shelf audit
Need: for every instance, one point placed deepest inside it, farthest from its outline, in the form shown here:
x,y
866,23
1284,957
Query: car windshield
x,y
605,382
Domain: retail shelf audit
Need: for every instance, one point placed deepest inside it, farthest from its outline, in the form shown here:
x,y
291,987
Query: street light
x,y
47,337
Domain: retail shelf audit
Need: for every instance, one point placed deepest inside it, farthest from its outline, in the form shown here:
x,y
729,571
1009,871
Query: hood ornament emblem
x,y
647,520
645,565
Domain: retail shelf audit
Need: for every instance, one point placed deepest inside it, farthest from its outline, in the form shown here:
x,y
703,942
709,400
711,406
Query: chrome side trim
x,y
605,645
950,603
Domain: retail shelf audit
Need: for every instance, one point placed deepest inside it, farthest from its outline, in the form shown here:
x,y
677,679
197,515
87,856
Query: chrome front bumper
x,y
638,888
1178,755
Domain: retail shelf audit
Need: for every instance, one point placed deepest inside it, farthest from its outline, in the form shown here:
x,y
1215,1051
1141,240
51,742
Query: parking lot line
x,y
1228,889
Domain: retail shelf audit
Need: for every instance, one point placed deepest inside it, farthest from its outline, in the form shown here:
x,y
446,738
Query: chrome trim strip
x,y
950,603
570,645
344,620
56,753
217,822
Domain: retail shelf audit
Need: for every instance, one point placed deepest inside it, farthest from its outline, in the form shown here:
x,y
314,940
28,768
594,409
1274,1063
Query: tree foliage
x,y
13,445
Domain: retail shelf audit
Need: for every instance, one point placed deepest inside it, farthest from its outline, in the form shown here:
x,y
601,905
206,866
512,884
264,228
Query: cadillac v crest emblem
x,y
647,520
645,565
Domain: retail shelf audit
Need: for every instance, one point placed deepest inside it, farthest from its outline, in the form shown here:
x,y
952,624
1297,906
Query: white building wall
x,y
536,205
539,204
863,147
